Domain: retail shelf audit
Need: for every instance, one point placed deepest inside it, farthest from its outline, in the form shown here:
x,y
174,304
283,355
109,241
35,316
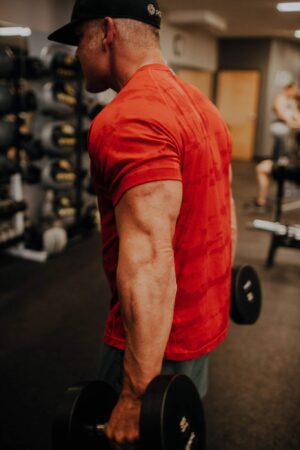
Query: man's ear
x,y
109,31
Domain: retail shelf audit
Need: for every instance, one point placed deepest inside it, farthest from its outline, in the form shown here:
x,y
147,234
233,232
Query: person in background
x,y
285,123
160,161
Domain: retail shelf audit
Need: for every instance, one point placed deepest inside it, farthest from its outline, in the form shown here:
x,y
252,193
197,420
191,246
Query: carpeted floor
x,y
52,317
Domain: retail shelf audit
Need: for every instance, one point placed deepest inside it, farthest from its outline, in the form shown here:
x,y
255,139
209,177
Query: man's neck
x,y
127,69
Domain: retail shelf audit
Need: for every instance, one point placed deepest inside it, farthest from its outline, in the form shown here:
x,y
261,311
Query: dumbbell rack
x,y
79,222
14,245
12,209
66,76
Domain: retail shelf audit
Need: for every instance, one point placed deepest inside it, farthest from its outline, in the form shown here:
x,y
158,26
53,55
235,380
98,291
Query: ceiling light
x,y
297,34
15,31
288,7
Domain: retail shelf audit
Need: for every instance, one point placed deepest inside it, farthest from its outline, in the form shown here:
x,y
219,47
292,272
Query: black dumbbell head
x,y
83,407
172,416
246,297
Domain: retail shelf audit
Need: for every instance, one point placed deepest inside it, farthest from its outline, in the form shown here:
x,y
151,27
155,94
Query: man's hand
x,y
123,426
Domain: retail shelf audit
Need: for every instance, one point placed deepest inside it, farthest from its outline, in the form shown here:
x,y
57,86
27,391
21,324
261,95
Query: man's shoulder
x,y
137,103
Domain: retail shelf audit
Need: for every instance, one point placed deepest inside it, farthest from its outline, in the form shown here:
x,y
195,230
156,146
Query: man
x,y
286,120
160,162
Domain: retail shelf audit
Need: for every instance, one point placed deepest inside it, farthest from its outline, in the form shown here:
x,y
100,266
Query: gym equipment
x,y
58,98
58,175
25,101
287,236
22,66
172,416
8,132
31,174
54,240
9,235
64,208
7,62
288,231
246,296
286,172
10,135
9,207
33,150
58,138
62,63
7,168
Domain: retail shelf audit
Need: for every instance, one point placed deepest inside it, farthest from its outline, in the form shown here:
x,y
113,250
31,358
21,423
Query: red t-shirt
x,y
160,128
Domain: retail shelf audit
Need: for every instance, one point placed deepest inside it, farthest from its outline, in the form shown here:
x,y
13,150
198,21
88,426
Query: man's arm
x,y
282,114
146,217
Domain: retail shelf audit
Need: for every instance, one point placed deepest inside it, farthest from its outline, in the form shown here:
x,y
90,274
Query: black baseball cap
x,y
143,10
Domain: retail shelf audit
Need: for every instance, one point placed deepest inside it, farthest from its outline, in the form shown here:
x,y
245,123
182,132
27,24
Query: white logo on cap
x,y
153,11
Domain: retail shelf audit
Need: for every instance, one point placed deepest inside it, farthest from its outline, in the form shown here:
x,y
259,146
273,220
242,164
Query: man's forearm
x,y
147,292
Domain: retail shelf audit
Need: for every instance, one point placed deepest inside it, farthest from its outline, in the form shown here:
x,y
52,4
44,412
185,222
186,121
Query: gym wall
x,y
269,56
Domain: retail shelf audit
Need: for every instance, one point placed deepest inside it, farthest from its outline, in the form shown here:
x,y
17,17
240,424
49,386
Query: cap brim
x,y
66,34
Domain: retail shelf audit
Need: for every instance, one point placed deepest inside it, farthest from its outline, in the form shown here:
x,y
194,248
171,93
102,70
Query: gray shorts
x,y
111,369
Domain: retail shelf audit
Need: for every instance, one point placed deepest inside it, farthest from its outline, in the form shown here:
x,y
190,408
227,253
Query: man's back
x,y
160,128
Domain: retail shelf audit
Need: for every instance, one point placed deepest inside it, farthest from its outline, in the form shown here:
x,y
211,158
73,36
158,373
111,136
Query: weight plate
x,y
82,408
172,416
246,295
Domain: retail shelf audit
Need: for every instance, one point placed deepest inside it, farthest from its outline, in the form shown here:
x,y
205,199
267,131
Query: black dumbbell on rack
x,y
27,100
14,65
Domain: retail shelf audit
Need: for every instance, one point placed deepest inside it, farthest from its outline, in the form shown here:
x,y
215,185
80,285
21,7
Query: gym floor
x,y
52,318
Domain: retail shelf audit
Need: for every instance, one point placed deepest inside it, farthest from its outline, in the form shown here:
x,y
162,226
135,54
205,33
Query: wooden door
x,y
201,79
237,100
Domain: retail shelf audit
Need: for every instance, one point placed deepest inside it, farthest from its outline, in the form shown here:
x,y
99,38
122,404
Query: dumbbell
x,y
7,168
171,418
54,240
8,131
21,66
8,207
8,101
31,173
32,150
57,98
58,138
58,175
64,208
7,62
8,233
59,61
246,295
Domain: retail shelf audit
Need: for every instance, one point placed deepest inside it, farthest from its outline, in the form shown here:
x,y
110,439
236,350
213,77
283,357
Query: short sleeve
x,y
136,151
